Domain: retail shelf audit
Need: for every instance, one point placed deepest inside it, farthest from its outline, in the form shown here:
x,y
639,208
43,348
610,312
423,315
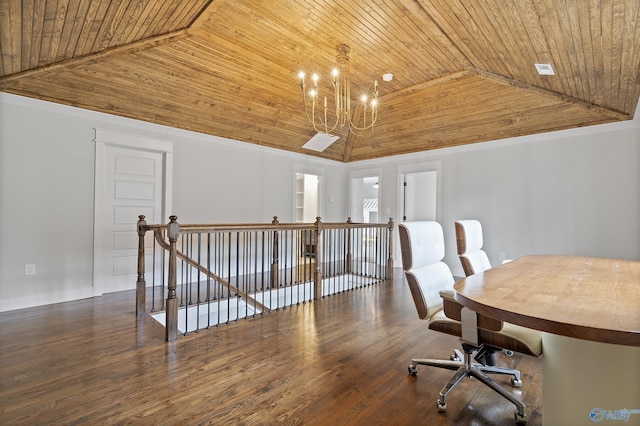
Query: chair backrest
x,y
422,247
469,241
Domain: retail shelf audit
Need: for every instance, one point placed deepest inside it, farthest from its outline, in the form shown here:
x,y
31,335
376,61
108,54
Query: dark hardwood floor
x,y
341,360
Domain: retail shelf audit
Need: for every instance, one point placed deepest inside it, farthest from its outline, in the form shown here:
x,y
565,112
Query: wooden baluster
x,y
349,253
274,260
317,267
141,284
389,273
173,230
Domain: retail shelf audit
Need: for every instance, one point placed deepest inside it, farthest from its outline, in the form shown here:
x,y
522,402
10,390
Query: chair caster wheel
x,y
454,358
413,370
442,406
508,352
516,383
521,419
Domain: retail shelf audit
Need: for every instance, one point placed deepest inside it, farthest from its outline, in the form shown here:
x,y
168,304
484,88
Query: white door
x,y
129,182
419,196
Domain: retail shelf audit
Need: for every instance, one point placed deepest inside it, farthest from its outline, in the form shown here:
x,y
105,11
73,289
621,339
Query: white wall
x,y
220,183
574,192
571,192
46,207
47,192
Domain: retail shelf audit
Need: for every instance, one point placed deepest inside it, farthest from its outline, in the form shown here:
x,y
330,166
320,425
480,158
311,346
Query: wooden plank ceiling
x,y
463,70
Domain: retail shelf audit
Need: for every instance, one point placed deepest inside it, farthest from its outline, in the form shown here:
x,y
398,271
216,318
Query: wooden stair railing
x,y
162,243
173,230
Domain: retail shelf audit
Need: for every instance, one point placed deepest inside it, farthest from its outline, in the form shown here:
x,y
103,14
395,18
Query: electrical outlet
x,y
30,269
502,256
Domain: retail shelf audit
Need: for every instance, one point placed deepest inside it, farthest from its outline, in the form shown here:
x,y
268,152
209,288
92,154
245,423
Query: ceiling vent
x,y
320,141
544,69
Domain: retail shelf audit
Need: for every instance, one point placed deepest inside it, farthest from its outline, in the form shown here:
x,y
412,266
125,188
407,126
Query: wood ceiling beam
x,y
558,96
207,12
351,139
422,86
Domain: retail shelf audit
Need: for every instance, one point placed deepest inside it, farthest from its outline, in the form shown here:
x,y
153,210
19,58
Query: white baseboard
x,y
45,299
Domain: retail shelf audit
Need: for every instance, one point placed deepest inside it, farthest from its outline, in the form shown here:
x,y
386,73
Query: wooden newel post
x,y
390,259
274,255
173,230
317,266
141,284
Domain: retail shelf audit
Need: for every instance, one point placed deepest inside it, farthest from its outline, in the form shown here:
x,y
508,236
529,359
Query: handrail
x,y
204,270
373,246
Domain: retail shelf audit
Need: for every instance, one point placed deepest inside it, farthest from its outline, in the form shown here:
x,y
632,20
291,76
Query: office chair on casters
x,y
469,241
431,285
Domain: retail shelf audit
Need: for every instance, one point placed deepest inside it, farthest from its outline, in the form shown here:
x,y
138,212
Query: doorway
x,y
364,199
419,191
306,196
307,209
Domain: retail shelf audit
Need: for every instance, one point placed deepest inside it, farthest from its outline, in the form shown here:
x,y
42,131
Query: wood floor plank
x,y
340,360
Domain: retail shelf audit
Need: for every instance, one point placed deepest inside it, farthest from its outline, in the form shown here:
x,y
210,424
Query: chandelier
x,y
325,119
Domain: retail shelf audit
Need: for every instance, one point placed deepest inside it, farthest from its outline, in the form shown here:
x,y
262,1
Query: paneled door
x,y
132,184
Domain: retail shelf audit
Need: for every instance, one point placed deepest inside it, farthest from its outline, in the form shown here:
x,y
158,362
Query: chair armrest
x,y
453,309
450,306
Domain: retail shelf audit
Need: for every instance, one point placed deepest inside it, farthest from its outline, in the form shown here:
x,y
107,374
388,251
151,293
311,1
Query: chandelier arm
x,y
306,110
364,115
374,117
325,116
324,123
311,117
335,125
356,129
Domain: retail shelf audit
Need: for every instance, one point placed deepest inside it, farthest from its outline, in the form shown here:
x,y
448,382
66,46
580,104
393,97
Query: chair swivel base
x,y
464,367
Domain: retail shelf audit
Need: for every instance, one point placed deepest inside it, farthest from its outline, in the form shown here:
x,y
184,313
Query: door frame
x,y
360,174
402,170
305,170
104,138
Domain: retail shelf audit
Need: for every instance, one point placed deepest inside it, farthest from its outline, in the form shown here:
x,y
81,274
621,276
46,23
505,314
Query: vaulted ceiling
x,y
463,69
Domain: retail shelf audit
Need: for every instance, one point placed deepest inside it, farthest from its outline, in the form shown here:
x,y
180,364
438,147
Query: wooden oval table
x,y
588,309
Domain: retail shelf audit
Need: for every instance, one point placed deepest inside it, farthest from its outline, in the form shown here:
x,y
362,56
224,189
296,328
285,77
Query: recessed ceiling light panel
x,y
544,69
320,142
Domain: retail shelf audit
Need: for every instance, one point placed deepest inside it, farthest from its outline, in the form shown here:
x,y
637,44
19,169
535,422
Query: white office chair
x,y
469,241
431,284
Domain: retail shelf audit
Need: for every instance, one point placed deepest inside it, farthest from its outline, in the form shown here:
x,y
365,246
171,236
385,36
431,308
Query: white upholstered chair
x,y
469,241
431,284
